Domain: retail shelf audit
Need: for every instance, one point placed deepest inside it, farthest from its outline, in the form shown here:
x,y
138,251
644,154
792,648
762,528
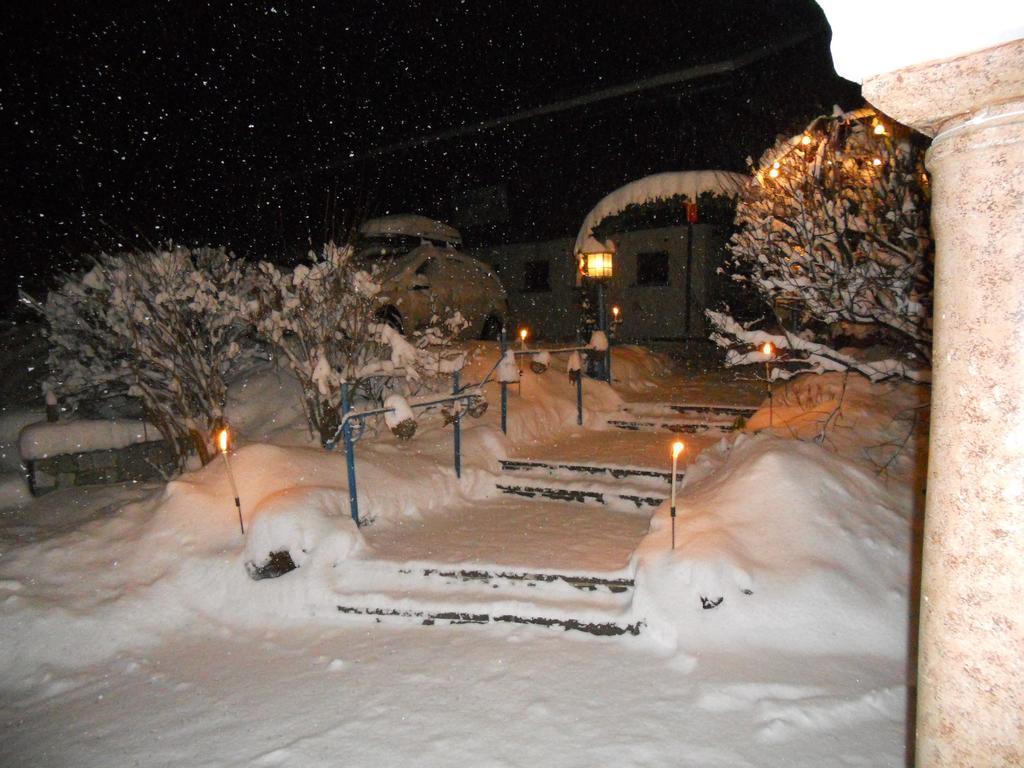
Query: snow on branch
x,y
743,348
325,319
834,233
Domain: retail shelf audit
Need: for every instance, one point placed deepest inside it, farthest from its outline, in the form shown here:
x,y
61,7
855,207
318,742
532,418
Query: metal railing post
x,y
579,398
458,426
504,387
602,325
350,454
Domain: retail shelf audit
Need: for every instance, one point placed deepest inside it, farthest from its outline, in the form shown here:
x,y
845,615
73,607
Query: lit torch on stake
x,y
523,333
222,440
677,448
768,350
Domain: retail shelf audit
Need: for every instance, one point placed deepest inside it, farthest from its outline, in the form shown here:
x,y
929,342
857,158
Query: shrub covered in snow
x,y
834,237
324,318
160,326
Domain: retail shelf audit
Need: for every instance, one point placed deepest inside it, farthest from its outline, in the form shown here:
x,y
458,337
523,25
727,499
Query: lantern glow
x,y
597,265
805,140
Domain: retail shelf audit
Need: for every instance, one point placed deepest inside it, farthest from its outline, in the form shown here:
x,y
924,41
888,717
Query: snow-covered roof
x,y
659,185
412,225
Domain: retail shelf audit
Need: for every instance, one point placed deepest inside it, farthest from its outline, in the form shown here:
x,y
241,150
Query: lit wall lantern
x,y
596,265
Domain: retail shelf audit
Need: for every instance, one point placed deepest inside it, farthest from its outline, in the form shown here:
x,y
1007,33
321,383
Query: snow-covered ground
x,y
130,633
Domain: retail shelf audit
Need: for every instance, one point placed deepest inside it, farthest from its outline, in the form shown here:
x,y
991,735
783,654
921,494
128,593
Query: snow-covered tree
x,y
834,233
325,319
160,326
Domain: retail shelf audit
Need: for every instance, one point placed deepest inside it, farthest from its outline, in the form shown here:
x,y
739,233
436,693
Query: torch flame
x,y
677,448
222,440
523,333
767,348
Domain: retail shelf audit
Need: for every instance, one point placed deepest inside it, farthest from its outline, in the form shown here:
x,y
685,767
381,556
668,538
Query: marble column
x,y
970,706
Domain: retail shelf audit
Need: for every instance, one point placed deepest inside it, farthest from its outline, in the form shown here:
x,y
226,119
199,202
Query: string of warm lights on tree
x,y
834,233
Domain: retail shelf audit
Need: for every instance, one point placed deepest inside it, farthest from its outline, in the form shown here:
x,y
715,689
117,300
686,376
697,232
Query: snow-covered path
x,y
374,695
515,532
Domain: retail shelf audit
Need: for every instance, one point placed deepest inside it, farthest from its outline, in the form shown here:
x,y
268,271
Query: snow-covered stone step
x,y
567,470
684,427
369,575
436,594
707,411
589,493
531,580
683,418
430,617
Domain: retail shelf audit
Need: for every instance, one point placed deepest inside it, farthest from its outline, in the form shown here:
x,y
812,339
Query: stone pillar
x,y
970,705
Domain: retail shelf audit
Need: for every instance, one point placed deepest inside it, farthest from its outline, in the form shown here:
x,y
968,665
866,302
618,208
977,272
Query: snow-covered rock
x,y
307,523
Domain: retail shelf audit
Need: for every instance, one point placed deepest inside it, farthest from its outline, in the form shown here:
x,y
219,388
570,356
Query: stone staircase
x,y
431,594
466,593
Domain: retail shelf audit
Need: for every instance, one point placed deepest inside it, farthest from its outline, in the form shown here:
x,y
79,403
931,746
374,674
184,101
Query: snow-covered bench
x,y
63,454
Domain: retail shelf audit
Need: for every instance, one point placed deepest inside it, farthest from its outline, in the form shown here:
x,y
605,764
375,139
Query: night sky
x,y
250,124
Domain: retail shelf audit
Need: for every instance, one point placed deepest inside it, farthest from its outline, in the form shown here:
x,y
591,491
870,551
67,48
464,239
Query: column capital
x,y
934,96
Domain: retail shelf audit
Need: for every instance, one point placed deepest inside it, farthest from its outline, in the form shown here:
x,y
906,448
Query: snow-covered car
x,y
432,281
426,275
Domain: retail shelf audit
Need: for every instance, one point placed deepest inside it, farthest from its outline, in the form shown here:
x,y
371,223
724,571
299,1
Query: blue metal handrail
x,y
350,416
467,393
503,348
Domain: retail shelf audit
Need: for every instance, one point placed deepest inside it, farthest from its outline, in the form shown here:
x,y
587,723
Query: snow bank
x,y
540,405
881,426
637,368
798,550
264,405
44,439
143,570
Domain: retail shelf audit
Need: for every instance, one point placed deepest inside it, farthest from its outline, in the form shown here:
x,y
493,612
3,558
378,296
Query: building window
x,y
537,276
652,268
